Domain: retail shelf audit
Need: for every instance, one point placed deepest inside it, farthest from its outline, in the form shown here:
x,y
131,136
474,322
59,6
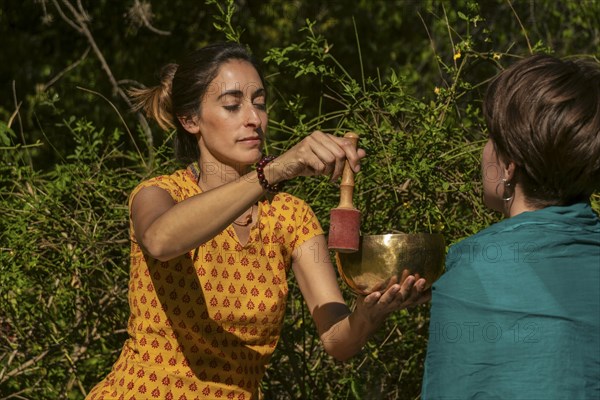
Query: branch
x,y
521,25
119,114
64,71
17,106
18,370
65,18
143,12
80,24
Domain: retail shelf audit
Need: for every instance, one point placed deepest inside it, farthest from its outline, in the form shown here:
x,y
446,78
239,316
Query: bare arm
x,y
342,332
166,229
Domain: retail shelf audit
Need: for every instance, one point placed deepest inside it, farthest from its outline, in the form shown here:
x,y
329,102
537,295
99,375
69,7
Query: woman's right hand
x,y
317,154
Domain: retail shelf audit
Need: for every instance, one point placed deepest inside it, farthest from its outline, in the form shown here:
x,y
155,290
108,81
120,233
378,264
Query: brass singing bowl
x,y
383,260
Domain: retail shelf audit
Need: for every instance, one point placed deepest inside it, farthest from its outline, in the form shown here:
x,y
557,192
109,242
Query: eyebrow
x,y
238,93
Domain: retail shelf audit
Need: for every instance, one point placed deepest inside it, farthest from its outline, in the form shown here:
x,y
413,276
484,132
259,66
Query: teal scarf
x,y
517,313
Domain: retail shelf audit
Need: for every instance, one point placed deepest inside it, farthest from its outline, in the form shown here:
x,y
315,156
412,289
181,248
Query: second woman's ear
x,y
508,171
190,124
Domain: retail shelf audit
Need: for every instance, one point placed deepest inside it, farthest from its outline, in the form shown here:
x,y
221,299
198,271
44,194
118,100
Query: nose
x,y
253,117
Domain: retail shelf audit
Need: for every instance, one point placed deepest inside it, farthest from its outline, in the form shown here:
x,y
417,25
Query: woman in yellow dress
x,y
211,245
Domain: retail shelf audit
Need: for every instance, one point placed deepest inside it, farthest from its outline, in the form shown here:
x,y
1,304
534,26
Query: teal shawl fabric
x,y
516,314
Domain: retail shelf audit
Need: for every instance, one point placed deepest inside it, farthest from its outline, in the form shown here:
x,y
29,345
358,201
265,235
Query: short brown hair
x,y
543,114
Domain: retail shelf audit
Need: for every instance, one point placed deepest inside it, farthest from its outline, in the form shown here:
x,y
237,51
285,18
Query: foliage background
x,y
407,75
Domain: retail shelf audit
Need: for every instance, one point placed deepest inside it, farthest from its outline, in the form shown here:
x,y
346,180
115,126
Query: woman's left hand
x,y
379,304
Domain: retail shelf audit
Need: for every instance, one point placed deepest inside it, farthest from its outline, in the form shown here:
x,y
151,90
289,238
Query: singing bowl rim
x,y
435,241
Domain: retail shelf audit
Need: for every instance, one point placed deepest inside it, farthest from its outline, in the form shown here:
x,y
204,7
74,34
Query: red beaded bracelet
x,y
260,171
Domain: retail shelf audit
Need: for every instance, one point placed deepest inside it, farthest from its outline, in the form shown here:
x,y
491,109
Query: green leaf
x,y
6,134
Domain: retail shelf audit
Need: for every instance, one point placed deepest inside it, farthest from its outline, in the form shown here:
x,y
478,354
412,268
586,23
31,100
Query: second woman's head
x,y
543,116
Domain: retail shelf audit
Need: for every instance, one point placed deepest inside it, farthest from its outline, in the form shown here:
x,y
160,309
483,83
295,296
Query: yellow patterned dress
x,y
204,325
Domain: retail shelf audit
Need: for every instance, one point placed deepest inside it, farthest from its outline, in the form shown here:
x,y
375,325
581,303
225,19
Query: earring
x,y
509,190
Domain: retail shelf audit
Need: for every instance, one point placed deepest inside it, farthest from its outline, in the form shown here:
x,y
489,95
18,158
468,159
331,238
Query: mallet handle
x,y
347,183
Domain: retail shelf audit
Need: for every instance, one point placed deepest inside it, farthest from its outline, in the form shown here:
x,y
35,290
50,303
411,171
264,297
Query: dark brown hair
x,y
182,88
543,114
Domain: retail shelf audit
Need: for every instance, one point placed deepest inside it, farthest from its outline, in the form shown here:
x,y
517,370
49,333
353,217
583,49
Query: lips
x,y
251,139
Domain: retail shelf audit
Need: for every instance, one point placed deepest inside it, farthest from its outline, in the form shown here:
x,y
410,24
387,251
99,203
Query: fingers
x,y
351,153
405,274
425,297
410,293
328,153
385,285
321,154
417,294
407,287
378,305
393,297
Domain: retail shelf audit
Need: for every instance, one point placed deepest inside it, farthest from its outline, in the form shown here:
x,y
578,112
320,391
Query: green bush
x,y
421,175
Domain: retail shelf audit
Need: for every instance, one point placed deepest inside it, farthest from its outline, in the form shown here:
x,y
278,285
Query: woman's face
x,y
233,117
492,171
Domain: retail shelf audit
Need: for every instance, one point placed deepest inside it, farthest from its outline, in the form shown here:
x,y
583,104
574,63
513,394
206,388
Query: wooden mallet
x,y
344,224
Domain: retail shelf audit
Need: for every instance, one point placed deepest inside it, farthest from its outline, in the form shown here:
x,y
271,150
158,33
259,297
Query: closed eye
x,y
232,108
